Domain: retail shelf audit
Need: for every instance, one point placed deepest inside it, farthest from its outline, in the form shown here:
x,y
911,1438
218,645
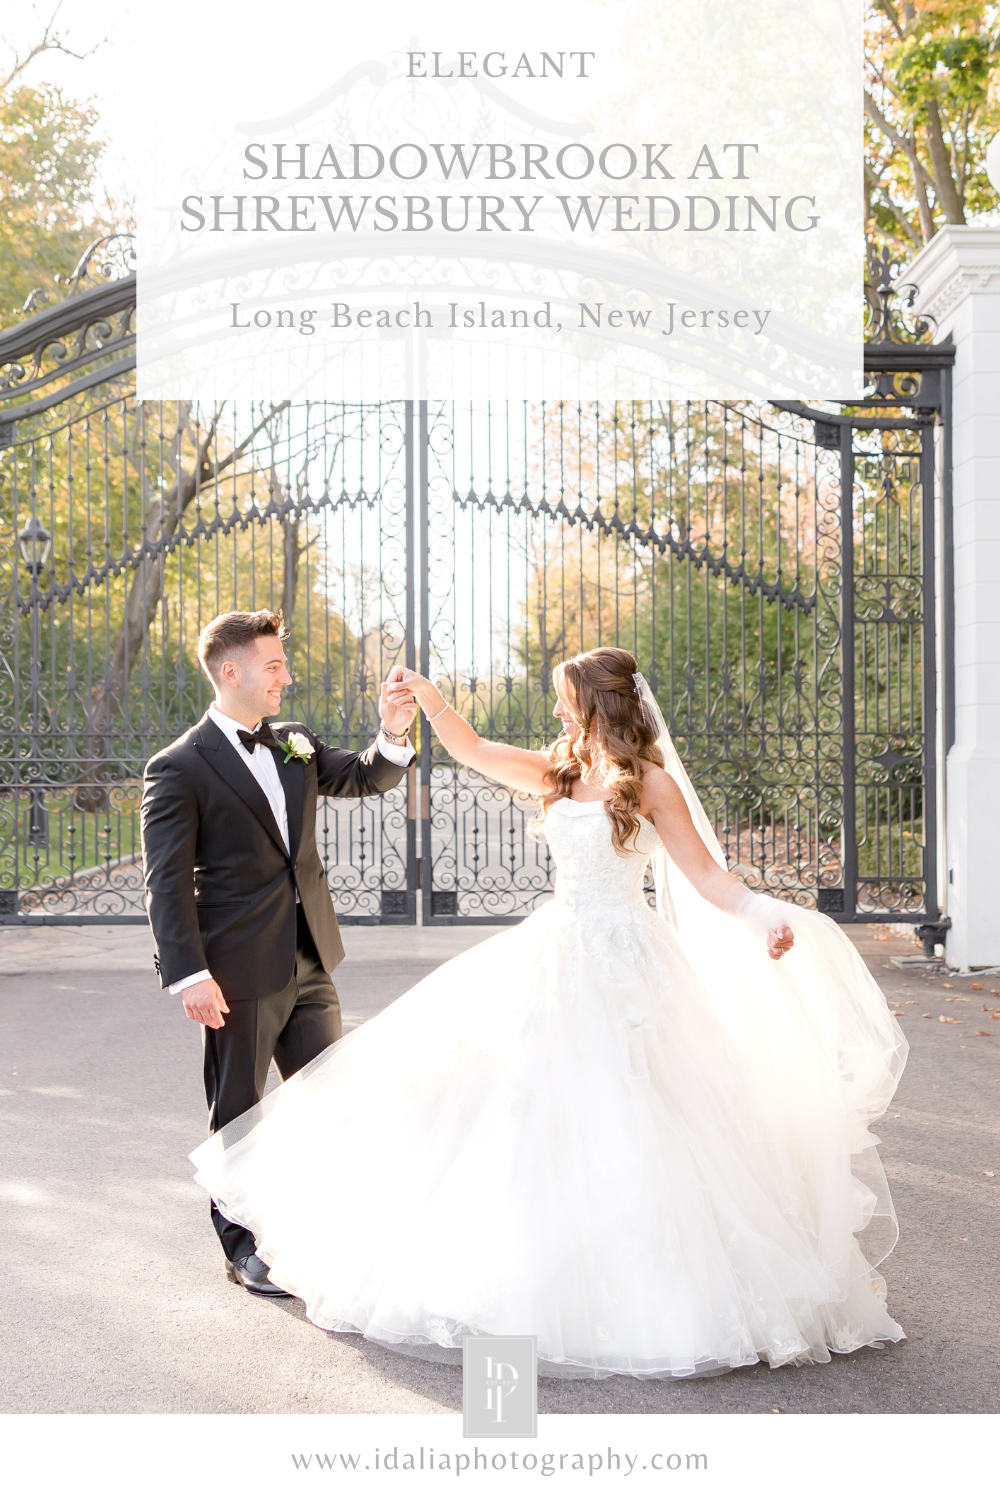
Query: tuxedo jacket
x,y
220,884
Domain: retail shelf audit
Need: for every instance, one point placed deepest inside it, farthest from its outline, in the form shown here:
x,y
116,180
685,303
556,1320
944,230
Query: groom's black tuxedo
x,y
220,891
220,884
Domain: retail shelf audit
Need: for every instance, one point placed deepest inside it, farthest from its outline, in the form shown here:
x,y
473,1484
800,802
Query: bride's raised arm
x,y
522,770
663,802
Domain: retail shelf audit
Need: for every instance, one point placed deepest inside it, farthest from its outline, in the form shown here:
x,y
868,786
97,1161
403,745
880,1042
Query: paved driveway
x,y
115,1298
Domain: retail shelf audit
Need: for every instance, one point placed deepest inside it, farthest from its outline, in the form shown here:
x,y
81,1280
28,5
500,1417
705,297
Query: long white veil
x,y
820,1052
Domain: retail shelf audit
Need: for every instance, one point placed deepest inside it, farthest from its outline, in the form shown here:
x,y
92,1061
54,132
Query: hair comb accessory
x,y
640,683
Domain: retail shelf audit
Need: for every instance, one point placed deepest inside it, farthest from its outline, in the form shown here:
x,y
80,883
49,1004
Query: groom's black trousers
x,y
292,1027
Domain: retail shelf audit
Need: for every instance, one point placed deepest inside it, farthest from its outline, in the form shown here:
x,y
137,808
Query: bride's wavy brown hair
x,y
598,689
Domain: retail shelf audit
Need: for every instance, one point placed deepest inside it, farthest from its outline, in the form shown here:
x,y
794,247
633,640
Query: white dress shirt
x,y
262,766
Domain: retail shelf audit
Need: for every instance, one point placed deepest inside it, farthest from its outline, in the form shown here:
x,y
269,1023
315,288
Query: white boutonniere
x,y
296,747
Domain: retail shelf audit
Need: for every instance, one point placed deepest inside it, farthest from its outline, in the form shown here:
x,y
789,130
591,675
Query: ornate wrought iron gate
x,y
772,567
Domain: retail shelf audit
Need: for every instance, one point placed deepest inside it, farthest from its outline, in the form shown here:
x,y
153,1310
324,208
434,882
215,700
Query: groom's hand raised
x,y
396,704
204,1003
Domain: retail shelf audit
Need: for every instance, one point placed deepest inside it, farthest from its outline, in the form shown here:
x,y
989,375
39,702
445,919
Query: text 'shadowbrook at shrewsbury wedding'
x,y
624,204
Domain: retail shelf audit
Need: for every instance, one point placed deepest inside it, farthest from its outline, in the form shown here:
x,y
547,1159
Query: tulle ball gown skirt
x,y
558,1134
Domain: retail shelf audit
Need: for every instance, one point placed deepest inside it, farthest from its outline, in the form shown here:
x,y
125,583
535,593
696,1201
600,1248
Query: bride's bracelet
x,y
432,717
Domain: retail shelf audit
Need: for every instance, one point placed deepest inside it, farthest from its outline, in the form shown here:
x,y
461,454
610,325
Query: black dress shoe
x,y
250,1273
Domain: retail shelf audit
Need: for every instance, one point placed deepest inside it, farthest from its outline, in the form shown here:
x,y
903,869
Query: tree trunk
x,y
920,183
293,553
162,520
944,183
547,650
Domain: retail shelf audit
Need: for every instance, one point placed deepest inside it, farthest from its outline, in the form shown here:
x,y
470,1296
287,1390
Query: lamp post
x,y
36,544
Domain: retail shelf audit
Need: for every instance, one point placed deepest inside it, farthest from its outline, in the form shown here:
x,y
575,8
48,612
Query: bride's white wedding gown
x,y
561,1133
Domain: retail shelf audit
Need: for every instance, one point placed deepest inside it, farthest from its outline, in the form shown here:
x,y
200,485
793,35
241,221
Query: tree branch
x,y
947,193
50,41
899,218
921,176
144,596
878,118
890,14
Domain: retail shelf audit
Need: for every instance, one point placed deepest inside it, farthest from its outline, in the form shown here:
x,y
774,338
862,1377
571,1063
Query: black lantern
x,y
36,543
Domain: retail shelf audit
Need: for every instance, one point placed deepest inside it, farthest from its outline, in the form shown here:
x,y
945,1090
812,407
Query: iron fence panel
x,y
770,566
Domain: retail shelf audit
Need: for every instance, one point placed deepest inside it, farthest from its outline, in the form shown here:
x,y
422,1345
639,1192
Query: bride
x,y
642,1136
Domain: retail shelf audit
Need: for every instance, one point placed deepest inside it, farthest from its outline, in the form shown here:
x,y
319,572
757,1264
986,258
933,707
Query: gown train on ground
x,y
567,1131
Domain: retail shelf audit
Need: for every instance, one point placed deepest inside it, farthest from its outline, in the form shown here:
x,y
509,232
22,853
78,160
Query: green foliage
x,y
750,683
932,107
96,485
49,150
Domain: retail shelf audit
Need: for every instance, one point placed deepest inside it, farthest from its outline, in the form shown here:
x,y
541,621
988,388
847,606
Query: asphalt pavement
x,y
116,1298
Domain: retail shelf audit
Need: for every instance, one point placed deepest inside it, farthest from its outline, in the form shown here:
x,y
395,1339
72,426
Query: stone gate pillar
x,y
958,274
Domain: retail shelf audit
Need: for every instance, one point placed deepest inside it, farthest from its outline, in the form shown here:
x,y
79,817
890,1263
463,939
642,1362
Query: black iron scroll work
x,y
67,358
124,525
892,447
771,566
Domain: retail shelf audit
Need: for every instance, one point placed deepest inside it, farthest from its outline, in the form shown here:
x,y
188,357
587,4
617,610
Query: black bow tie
x,y
262,736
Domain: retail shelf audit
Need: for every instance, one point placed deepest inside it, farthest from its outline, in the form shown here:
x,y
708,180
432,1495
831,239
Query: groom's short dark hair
x,y
234,632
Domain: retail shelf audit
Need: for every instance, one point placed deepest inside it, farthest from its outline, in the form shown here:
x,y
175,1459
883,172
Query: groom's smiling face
x,y
252,681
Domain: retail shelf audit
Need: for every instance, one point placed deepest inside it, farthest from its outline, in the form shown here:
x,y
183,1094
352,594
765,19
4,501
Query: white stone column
x,y
958,274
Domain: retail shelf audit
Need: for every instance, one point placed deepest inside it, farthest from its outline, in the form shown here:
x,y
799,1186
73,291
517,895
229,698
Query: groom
x,y
244,927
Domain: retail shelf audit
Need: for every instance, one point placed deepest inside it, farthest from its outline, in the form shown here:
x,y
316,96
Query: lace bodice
x,y
590,871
